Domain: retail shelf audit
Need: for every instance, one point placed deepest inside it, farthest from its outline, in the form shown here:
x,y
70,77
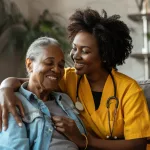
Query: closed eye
x,y
74,48
49,63
85,52
61,65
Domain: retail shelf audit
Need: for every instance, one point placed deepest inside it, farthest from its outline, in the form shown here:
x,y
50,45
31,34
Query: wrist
x,y
94,142
80,141
86,141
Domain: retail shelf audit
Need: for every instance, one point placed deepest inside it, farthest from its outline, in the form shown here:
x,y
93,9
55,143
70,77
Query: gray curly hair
x,y
39,44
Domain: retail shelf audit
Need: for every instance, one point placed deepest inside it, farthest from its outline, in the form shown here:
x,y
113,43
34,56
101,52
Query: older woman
x,y
45,67
111,104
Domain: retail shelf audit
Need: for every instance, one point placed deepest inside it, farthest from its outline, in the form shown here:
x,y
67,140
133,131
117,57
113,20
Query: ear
x,y
29,65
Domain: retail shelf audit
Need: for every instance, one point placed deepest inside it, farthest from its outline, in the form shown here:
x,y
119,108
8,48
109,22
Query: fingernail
x,y
4,128
20,124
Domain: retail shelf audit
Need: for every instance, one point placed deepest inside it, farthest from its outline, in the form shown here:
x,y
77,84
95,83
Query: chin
x,y
80,72
51,88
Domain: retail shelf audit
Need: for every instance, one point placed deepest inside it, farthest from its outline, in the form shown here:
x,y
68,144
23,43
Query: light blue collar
x,y
29,95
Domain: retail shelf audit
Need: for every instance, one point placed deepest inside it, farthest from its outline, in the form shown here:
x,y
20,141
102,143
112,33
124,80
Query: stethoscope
x,y
80,107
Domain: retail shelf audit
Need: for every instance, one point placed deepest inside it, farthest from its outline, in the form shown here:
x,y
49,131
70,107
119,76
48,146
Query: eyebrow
x,y
82,46
52,58
63,60
49,58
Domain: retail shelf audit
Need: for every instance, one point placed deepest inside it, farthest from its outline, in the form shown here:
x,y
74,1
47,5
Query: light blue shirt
x,y
37,129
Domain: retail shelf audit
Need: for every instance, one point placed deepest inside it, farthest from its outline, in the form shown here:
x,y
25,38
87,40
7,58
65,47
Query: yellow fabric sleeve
x,y
136,116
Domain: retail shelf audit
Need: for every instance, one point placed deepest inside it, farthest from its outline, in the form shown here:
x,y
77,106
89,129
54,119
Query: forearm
x,y
99,144
13,82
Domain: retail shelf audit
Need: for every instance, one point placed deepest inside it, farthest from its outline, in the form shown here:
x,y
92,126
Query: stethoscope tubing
x,y
114,97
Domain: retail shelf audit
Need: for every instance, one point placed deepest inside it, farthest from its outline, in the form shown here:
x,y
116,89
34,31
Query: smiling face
x,y
48,68
85,54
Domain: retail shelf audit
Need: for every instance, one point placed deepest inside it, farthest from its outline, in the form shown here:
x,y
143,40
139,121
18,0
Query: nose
x,y
56,69
75,55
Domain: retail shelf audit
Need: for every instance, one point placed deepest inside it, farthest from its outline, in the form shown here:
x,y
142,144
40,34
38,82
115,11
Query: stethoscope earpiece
x,y
111,138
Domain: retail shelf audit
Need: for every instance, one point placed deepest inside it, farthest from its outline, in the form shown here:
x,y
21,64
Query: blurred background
x,y
22,21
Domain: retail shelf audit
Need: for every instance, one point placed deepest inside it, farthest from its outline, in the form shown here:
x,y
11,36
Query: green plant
x,y
148,36
45,26
17,33
11,24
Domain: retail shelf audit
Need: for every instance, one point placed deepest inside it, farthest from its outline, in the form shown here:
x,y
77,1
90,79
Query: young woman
x,y
45,67
111,104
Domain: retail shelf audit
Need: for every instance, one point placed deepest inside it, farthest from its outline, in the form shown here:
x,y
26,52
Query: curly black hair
x,y
113,35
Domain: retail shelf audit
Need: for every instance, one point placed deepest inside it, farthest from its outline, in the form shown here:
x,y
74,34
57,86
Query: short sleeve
x,y
136,114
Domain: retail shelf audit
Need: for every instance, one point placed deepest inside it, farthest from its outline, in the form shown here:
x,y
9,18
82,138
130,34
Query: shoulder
x,y
28,107
70,76
63,97
70,71
121,76
22,98
19,95
126,82
130,91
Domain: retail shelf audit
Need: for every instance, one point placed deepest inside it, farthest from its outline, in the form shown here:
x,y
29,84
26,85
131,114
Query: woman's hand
x,y
69,129
8,103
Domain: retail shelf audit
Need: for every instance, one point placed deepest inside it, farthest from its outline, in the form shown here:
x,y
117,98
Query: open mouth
x,y
52,78
78,65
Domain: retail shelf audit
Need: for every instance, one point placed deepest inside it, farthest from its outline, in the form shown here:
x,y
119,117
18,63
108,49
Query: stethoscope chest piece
x,y
79,105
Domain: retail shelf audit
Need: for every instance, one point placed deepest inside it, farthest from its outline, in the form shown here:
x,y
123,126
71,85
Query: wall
x,y
63,8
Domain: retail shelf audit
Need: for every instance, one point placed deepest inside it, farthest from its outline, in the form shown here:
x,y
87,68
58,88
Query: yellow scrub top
x,y
133,120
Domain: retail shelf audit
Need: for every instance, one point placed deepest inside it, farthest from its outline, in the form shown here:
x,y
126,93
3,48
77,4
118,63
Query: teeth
x,y
79,64
52,78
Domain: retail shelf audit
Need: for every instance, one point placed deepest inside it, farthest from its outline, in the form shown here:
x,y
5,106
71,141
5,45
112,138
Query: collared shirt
x,y
132,120
38,128
59,141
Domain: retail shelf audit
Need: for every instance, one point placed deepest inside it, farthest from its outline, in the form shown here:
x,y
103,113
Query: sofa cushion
x,y
145,85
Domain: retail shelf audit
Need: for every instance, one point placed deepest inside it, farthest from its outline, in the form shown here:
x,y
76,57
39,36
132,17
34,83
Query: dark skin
x,y
87,61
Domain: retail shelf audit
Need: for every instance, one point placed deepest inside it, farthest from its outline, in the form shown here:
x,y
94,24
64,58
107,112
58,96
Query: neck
x,y
97,80
39,91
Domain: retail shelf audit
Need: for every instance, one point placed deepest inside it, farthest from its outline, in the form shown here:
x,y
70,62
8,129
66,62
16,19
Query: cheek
x,y
88,59
39,76
40,68
92,60
71,54
39,73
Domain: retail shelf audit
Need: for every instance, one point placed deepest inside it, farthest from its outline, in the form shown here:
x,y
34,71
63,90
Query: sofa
x,y
145,84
